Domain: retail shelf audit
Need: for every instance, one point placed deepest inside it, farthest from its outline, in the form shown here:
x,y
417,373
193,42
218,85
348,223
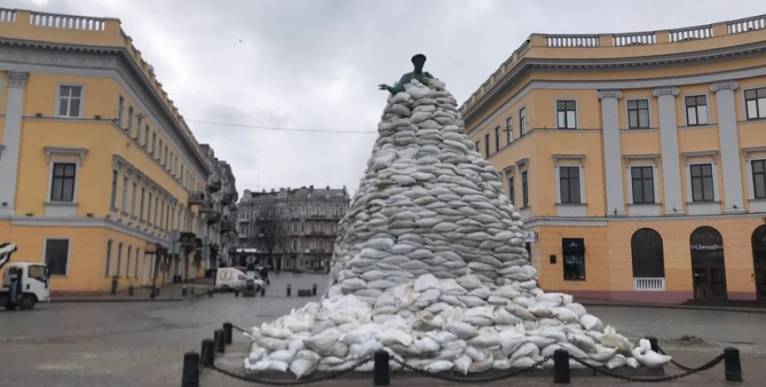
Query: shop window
x,y
574,258
57,255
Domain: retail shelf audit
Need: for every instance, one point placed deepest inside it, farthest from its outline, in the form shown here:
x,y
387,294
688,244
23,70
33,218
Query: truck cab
x,y
23,283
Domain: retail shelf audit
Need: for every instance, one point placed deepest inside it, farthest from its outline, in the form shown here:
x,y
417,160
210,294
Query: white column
x,y
671,170
9,160
615,202
729,140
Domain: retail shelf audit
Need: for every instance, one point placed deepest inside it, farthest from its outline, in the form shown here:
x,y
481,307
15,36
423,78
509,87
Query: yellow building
x,y
97,166
636,159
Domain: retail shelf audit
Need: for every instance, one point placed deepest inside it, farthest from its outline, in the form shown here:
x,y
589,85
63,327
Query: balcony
x,y
229,198
196,198
212,218
214,185
649,284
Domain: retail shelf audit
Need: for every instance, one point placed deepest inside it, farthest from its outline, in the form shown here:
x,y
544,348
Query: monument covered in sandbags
x,y
430,265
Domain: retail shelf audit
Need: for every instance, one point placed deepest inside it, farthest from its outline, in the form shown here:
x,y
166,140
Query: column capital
x,y
725,85
17,79
671,90
609,93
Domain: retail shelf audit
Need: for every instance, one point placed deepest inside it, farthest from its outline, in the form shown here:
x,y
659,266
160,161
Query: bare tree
x,y
272,230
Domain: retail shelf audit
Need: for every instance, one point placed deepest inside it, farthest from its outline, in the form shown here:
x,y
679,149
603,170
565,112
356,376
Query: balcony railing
x,y
7,15
746,25
196,198
572,40
49,20
691,33
649,284
635,38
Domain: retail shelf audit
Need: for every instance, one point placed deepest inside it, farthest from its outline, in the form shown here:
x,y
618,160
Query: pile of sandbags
x,y
430,265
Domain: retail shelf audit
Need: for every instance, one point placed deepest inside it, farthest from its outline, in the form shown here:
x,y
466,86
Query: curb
x,y
85,300
683,307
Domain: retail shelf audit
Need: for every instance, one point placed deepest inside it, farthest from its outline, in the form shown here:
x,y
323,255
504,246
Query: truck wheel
x,y
28,302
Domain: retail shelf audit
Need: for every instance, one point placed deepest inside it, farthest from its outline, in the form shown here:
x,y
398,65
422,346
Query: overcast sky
x,y
315,64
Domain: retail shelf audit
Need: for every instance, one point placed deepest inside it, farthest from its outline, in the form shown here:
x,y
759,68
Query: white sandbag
x,y
615,340
648,358
323,342
616,361
395,336
461,330
439,366
590,322
424,282
282,355
462,363
362,350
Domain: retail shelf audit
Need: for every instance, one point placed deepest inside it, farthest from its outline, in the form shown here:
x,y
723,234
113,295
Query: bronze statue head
x,y
418,60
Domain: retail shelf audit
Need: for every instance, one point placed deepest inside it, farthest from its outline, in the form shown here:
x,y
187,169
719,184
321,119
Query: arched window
x,y
708,268
759,261
646,249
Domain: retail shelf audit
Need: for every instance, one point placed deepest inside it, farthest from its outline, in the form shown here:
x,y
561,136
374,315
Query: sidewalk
x,y
168,292
629,304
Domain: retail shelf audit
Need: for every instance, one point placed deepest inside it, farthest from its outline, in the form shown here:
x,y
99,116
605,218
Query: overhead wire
x,y
282,129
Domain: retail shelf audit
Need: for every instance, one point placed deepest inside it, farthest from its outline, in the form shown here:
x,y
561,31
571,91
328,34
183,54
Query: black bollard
x,y
183,291
210,293
130,290
190,375
288,290
263,292
561,366
654,344
314,289
732,365
236,292
208,352
382,371
227,332
220,345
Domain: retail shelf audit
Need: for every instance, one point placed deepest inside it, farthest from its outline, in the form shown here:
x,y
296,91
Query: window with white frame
x,y
524,189
63,182
70,100
696,110
511,189
509,129
638,113
702,187
759,178
755,103
108,265
566,115
523,121
642,184
497,139
130,119
569,184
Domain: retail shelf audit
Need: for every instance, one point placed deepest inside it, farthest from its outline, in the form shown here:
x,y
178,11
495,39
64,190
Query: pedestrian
x,y
265,274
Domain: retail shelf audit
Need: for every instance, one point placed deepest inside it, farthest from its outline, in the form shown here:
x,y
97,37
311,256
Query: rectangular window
x,y
511,191
141,210
62,182
755,103
696,110
574,258
138,261
569,184
138,125
759,178
702,182
120,109
476,146
154,142
486,145
70,98
146,137
130,119
125,194
149,210
509,129
524,190
127,262
113,199
642,180
566,117
119,259
522,121
638,113
497,139
133,200
108,266
56,255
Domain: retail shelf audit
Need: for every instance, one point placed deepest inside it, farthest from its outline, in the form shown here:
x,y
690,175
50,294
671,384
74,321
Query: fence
x,y
195,362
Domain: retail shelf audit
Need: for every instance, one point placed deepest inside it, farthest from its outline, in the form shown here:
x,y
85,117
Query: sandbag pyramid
x,y
430,265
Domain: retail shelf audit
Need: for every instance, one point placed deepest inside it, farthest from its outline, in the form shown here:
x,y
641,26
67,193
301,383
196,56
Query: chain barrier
x,y
236,328
458,379
673,361
251,379
667,378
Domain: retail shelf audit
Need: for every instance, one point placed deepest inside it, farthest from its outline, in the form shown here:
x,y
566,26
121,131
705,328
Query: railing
x,y
649,284
636,38
7,15
691,33
50,20
572,40
746,25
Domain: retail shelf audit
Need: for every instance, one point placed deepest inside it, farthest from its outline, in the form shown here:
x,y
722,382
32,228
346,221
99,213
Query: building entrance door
x,y
759,262
708,269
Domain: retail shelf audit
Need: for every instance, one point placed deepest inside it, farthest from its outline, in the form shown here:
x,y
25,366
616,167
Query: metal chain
x,y
673,361
668,378
458,379
298,382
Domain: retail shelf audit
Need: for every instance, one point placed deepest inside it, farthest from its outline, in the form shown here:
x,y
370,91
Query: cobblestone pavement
x,y
142,344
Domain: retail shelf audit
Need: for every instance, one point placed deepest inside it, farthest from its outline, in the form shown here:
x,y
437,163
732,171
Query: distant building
x,y
290,229
219,211
637,160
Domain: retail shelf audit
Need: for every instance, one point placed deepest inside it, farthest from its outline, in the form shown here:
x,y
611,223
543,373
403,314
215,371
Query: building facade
x,y
636,159
100,177
219,210
291,229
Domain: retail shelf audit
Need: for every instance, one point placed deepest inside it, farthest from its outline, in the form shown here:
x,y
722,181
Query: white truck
x,y
24,283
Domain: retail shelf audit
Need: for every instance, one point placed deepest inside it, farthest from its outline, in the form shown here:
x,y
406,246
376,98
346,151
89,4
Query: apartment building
x,y
99,173
637,160
290,228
